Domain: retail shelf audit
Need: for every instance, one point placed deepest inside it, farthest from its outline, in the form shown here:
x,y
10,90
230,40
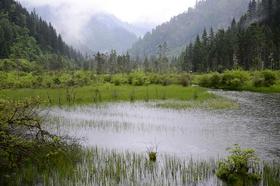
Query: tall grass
x,y
107,93
110,167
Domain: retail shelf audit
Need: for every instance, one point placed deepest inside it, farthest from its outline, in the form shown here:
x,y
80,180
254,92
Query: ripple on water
x,y
197,133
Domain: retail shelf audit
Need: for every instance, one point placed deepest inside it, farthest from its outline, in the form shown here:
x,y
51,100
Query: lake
x,y
195,133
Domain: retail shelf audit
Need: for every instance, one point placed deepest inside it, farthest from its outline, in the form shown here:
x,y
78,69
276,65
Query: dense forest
x,y
253,43
183,28
25,35
29,43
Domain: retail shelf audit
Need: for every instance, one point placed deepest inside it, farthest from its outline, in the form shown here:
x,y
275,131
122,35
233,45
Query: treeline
x,y
113,63
183,28
25,35
253,43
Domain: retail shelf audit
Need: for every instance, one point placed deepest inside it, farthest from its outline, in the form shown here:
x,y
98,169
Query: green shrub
x,y
152,154
118,80
204,81
139,79
165,81
264,79
25,146
215,80
56,81
107,78
185,80
155,78
239,167
234,79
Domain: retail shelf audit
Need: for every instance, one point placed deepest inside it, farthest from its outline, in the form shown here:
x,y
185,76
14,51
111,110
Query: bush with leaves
x,y
264,79
25,145
138,78
119,79
239,168
234,79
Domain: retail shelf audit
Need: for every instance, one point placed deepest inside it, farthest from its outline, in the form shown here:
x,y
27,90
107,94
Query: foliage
x,y
25,47
152,154
234,79
119,80
252,43
228,80
25,145
8,65
264,79
239,167
271,173
240,80
138,79
25,35
183,28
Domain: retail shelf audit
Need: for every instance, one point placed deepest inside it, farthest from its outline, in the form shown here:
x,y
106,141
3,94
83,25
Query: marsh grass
x,y
271,174
111,167
209,104
107,93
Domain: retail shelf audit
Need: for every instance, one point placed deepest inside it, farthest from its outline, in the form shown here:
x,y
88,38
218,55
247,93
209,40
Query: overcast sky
x,y
131,11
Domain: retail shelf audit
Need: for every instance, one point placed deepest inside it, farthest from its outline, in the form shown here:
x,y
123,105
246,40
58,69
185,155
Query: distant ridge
x,y
183,28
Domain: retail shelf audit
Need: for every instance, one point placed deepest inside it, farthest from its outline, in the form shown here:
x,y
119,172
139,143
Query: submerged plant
x,y
239,168
152,154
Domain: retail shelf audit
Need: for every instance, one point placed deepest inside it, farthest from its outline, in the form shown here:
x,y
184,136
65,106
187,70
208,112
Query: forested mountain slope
x,y
93,32
253,43
25,35
184,27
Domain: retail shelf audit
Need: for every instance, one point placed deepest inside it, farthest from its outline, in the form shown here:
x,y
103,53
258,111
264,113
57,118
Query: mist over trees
x,y
251,44
29,43
25,35
183,28
105,32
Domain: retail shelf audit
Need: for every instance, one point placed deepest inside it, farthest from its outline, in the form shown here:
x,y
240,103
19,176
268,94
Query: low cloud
x,y
70,16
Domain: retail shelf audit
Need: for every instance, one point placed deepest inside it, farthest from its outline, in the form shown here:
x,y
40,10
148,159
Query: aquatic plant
x,y
239,168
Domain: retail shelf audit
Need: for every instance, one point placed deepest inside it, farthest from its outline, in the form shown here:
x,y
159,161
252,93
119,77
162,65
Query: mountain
x,y
183,28
95,32
139,28
26,35
252,43
105,32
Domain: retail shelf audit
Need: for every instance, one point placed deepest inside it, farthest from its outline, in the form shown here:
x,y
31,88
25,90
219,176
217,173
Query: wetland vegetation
x,y
209,115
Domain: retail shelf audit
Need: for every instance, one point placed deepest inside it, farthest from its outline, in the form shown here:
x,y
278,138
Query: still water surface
x,y
197,133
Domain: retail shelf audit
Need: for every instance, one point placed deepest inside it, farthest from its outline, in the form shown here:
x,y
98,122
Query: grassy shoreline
x,y
265,81
109,93
111,167
170,97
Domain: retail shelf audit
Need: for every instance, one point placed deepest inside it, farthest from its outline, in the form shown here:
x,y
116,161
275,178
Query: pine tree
x,y
100,62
